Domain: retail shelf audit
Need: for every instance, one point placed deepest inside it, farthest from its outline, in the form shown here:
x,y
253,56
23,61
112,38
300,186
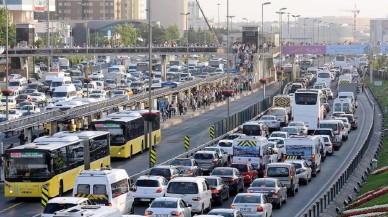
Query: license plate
x,y
145,199
245,209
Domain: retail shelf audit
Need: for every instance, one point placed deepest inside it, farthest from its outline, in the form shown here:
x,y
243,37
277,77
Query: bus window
x,y
306,99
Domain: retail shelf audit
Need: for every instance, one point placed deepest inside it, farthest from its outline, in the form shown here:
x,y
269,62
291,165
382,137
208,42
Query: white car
x,y
279,148
347,126
29,109
252,205
102,92
221,152
59,203
147,188
328,145
329,93
300,125
12,114
271,121
38,97
168,206
117,93
303,171
227,145
281,134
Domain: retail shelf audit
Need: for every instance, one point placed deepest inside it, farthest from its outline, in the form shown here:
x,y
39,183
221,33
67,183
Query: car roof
x,y
150,177
224,210
267,178
167,199
205,152
294,161
72,200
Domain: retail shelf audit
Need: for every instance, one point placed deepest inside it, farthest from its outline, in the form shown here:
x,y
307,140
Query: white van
x,y
60,203
59,81
307,148
195,191
324,77
65,92
89,211
94,85
343,105
17,84
97,76
108,187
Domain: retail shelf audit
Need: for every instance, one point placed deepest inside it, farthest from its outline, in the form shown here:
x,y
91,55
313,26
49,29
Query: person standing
x,y
22,138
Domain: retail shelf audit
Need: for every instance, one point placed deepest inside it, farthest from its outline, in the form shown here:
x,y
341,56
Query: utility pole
x,y
149,123
48,36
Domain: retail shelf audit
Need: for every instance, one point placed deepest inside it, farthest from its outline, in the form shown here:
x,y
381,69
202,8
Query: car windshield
x,y
59,94
51,208
182,188
225,144
247,199
22,97
283,135
147,183
220,213
263,183
36,94
295,124
160,172
181,162
222,172
203,156
267,118
277,172
297,165
134,84
325,139
212,182
164,204
240,167
232,136
290,130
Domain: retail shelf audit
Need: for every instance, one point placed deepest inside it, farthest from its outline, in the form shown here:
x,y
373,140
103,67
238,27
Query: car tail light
x,y
159,190
175,213
259,209
189,171
274,192
148,213
328,145
109,204
250,191
274,122
196,199
232,180
313,158
215,191
214,160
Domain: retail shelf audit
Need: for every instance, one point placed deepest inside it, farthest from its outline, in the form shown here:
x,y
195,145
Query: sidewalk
x,y
177,119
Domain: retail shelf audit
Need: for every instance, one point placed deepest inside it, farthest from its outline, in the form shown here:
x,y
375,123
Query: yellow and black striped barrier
x,y
45,196
212,131
95,198
187,143
153,156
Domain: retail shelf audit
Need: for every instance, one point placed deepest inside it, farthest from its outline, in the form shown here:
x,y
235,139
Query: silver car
x,y
252,205
272,188
168,206
188,166
303,171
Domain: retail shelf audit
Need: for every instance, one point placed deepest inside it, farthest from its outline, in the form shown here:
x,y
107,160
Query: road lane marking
x,y
10,207
39,214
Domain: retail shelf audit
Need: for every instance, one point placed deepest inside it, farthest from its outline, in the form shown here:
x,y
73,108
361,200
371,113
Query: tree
x,y
39,43
11,29
172,33
127,33
158,35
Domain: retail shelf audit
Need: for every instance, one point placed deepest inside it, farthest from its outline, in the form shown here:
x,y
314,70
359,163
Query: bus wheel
x,y
61,188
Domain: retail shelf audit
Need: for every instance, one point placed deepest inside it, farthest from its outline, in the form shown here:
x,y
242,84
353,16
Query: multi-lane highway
x,y
198,129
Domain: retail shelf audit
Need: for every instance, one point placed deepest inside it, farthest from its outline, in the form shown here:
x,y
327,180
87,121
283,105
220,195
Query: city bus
x,y
308,107
52,162
127,132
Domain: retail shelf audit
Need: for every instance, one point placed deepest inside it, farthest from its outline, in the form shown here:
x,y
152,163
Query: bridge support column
x,y
53,127
164,67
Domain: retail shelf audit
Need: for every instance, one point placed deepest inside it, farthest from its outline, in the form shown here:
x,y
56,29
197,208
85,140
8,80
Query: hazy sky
x,y
251,9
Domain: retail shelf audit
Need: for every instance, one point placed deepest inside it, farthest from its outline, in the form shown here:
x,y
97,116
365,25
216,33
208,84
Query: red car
x,y
247,170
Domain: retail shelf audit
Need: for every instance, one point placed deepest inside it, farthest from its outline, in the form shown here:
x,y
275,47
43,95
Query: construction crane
x,y
355,13
208,25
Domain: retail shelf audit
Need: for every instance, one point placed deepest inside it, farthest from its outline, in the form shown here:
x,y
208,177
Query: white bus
x,y
307,106
340,61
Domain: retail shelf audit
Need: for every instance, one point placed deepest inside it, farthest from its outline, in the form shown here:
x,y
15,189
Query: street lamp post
x,y
297,27
187,40
281,12
318,31
304,29
149,123
218,15
288,26
313,39
6,61
262,48
85,12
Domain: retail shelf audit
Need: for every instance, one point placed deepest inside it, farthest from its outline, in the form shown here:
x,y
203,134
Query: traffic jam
x,y
259,166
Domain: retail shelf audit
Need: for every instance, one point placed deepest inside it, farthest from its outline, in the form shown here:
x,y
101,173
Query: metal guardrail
x,y
332,189
52,115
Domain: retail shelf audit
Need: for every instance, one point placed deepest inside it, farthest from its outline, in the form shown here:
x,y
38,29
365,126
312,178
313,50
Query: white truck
x,y
252,149
64,64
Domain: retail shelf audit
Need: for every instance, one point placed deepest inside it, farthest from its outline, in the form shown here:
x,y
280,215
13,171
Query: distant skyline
x,y
251,9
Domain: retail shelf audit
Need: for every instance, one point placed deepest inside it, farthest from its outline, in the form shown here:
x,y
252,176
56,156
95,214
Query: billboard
x,y
348,49
40,5
313,49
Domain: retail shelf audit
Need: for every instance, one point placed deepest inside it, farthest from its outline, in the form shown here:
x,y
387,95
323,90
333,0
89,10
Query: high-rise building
x,y
89,9
169,12
135,9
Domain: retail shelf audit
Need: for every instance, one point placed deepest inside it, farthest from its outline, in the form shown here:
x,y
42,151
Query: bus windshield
x,y
306,98
26,165
251,130
115,130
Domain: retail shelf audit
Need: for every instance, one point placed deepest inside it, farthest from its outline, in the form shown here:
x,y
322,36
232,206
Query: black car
x,y
231,176
220,190
36,86
168,172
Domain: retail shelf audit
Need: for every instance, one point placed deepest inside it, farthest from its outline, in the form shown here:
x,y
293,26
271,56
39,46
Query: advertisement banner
x,y
40,5
348,49
311,49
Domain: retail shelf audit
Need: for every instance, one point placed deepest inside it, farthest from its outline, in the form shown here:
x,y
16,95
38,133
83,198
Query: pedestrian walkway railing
x,y
56,114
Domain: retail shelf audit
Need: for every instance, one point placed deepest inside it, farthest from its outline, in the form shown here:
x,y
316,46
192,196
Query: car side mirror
x,y
189,205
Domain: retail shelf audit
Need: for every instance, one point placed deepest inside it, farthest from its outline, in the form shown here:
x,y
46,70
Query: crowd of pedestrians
x,y
202,99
